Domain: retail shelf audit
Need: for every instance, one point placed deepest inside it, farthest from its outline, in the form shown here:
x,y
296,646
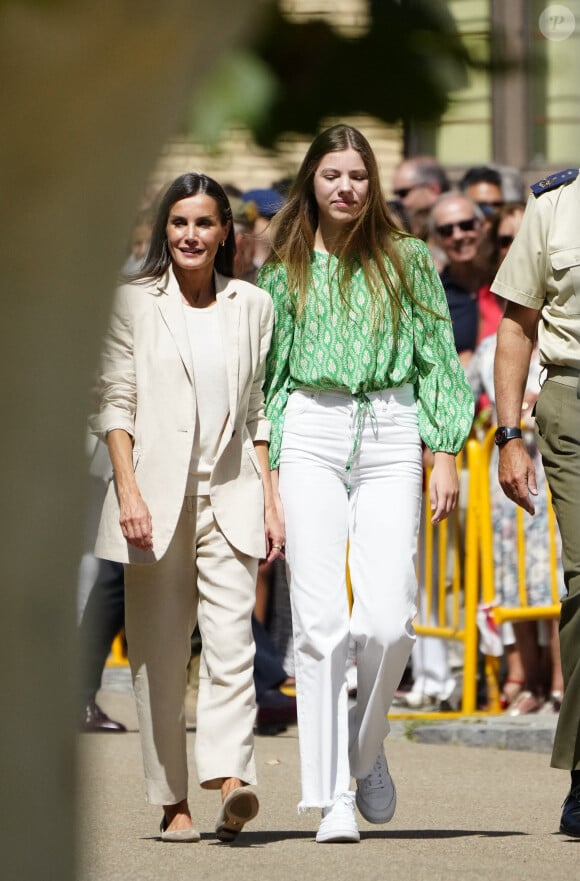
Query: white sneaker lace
x,y
344,800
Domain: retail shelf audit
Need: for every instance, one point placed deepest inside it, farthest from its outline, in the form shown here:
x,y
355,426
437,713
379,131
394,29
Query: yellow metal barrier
x,y
451,594
452,602
523,612
118,655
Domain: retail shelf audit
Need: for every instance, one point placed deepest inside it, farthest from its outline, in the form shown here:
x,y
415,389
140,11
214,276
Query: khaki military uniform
x,y
542,271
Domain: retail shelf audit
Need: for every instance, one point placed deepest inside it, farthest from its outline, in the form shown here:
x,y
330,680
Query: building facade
x,y
526,116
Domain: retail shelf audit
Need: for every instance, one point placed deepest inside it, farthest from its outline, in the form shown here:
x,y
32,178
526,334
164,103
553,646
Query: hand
x,y
443,487
135,520
517,475
275,533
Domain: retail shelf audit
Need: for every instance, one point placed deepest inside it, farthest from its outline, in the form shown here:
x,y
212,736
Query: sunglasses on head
x,y
490,208
446,229
504,241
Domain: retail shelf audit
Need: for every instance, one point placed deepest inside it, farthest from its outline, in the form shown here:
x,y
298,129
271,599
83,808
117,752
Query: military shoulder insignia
x,y
553,181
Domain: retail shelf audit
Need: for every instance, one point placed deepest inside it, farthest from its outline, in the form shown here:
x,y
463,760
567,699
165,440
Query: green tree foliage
x,y
404,67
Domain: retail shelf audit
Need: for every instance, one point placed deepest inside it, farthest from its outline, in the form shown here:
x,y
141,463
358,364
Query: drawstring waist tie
x,y
364,405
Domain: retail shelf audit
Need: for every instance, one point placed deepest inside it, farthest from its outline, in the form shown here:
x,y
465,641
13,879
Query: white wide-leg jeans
x,y
350,473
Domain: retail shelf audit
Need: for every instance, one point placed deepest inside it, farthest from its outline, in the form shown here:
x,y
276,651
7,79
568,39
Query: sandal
x,y
526,703
512,688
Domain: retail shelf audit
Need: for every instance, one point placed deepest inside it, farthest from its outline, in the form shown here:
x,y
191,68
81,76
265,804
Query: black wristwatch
x,y
503,434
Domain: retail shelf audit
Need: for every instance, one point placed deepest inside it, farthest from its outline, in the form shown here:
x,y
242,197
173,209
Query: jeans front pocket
x,y
400,407
299,402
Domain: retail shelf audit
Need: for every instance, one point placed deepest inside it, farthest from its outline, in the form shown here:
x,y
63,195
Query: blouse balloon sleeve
x,y
272,278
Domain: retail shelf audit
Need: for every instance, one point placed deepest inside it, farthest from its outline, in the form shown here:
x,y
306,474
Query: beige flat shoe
x,y
184,836
238,807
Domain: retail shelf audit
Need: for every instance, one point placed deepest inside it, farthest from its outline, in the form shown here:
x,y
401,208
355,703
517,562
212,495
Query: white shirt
x,y
211,392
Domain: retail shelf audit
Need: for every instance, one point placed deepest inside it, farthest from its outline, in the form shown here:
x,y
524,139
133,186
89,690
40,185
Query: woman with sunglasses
x,y
361,368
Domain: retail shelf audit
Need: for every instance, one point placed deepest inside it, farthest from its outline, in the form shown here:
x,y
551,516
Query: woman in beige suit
x,y
190,508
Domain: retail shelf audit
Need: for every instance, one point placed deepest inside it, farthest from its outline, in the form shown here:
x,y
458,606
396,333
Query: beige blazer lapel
x,y
229,321
171,309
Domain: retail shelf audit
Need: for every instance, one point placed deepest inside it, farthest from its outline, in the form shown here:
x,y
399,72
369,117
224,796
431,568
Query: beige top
x,y
542,271
211,393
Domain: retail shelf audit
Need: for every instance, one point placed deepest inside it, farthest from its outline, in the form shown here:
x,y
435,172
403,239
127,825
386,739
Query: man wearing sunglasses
x,y
540,279
417,183
457,224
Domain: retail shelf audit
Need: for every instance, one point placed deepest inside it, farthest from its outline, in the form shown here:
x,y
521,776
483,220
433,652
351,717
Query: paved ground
x,y
464,813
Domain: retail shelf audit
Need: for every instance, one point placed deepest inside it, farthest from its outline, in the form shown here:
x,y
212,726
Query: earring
x,y
223,243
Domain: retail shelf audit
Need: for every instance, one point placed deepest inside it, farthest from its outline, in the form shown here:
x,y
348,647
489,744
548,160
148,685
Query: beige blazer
x,y
147,389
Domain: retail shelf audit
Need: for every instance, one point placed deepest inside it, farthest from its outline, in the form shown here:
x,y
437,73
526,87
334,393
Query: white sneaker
x,y
338,821
376,796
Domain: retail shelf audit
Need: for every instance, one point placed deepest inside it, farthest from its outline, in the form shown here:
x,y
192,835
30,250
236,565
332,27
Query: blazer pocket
x,y
248,449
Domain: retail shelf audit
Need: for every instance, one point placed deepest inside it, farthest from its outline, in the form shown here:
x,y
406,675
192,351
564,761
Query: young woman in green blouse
x,y
362,367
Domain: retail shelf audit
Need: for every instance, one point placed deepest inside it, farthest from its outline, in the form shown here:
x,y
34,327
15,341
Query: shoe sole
x,y
346,837
565,831
238,808
377,819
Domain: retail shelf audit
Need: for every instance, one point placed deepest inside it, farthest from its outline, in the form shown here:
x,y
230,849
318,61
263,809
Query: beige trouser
x,y
201,576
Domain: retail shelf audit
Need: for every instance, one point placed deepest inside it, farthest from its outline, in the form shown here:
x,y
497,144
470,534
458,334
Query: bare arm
x,y
515,341
135,518
274,476
273,523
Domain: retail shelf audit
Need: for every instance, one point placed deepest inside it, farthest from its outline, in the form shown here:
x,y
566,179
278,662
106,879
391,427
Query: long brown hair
x,y
372,237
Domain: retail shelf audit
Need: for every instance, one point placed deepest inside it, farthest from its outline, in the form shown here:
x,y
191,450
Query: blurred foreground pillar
x,y
90,92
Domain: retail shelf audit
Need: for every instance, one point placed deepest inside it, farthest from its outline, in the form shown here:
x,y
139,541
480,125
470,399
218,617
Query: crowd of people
x,y
281,368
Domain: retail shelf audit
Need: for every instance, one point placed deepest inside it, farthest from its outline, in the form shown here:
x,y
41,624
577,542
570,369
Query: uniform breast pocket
x,y
566,272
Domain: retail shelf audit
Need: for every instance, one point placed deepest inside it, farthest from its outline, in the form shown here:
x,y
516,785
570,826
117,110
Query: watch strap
x,y
504,433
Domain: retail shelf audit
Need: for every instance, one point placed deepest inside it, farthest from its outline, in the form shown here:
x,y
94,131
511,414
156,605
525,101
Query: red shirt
x,y
490,312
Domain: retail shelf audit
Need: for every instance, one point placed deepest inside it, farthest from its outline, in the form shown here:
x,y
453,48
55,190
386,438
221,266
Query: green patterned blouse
x,y
328,349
